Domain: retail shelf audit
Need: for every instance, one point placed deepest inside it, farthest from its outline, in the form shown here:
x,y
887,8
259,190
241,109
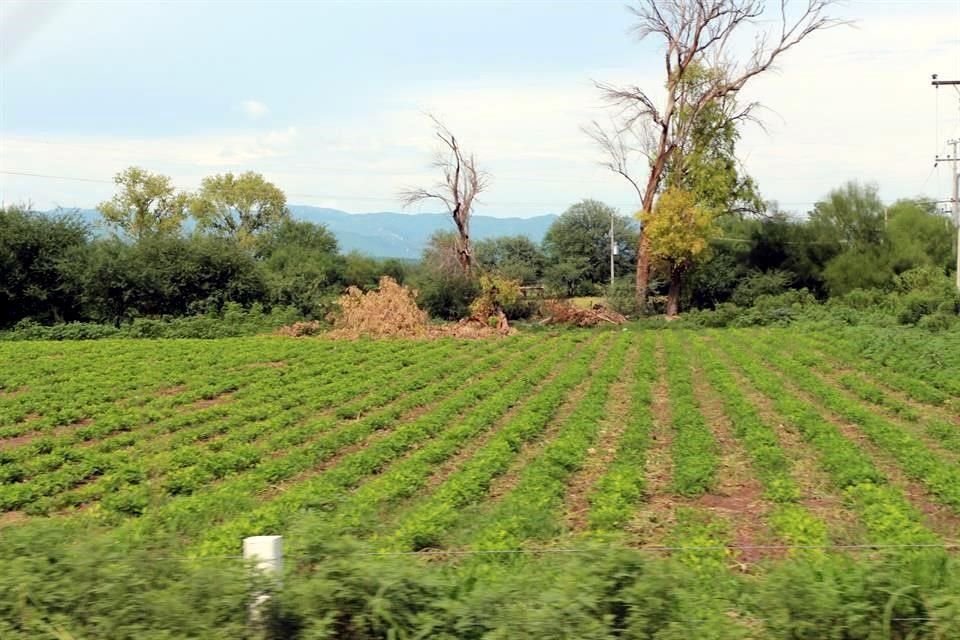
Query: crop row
x,y
148,421
252,433
769,462
945,432
360,513
694,448
940,476
423,526
191,515
909,362
884,511
440,431
87,462
530,510
87,382
617,491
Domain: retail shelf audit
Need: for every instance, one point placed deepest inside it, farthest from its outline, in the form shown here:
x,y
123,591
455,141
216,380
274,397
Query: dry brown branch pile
x,y
563,312
390,311
300,329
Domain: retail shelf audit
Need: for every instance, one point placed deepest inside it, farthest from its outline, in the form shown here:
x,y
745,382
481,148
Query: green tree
x,y
577,247
446,289
168,276
39,257
239,206
694,33
516,257
680,230
302,266
851,217
146,203
919,236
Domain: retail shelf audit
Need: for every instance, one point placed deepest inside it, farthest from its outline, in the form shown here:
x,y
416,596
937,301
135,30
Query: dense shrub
x,y
93,590
760,283
233,321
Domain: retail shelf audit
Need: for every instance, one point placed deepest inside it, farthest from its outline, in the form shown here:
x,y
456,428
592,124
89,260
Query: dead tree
x,y
696,34
462,183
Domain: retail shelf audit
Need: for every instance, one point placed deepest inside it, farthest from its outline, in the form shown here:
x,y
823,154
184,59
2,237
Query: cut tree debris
x,y
563,312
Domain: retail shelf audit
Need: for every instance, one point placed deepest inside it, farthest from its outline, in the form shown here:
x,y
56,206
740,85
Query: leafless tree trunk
x,y
694,32
462,183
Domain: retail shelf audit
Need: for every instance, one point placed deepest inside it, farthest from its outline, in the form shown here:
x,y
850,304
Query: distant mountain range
x,y
400,235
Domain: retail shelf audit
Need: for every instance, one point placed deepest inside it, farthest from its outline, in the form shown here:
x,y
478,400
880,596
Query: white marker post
x,y
267,553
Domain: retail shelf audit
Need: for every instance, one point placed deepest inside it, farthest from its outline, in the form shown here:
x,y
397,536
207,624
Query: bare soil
x,y
600,456
656,516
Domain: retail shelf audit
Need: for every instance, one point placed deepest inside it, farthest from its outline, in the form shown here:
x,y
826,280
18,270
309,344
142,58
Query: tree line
x,y
54,269
244,249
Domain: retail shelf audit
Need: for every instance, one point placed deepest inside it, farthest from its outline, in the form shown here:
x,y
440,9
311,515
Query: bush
x,y
622,297
234,321
446,297
760,283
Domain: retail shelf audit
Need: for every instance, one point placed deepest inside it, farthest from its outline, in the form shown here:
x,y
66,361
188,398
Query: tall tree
x,y
146,203
696,34
679,229
461,184
239,206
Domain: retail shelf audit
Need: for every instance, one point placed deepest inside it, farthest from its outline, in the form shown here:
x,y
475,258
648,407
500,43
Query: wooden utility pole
x,y
955,183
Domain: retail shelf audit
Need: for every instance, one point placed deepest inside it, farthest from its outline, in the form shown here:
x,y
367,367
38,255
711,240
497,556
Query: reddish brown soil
x,y
17,441
531,449
937,517
206,403
273,364
656,516
600,456
172,391
13,393
11,517
738,494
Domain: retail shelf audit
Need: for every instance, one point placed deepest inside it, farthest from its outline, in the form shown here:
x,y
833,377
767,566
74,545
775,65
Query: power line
x,y
341,196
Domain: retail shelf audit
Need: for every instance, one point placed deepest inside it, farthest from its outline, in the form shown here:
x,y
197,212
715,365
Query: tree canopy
x,y
239,206
145,203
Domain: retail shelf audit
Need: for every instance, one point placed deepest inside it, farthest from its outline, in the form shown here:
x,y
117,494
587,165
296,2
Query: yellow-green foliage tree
x,y
496,292
679,230
146,203
239,206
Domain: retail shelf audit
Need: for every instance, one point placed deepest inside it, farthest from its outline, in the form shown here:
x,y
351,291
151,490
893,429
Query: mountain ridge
x,y
388,234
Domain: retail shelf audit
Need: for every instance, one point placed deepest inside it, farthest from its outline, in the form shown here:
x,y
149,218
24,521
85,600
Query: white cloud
x,y
254,109
848,104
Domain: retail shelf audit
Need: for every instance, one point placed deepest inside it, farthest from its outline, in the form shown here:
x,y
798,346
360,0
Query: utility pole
x,y
952,159
613,252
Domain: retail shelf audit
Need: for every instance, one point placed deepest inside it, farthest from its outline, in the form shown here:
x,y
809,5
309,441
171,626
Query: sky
x,y
328,99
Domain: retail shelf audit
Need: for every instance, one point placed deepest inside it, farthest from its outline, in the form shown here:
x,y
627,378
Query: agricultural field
x,y
728,448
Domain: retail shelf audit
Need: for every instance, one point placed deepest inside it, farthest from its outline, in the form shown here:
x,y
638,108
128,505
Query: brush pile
x,y
391,311
562,312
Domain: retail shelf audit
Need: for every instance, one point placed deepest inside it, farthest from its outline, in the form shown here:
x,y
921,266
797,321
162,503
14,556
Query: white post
x,y
267,553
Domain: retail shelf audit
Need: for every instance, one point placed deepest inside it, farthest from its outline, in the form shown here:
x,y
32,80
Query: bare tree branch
x,y
696,34
462,183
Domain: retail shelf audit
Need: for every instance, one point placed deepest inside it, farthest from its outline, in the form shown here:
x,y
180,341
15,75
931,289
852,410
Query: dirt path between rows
x,y
655,517
738,495
616,418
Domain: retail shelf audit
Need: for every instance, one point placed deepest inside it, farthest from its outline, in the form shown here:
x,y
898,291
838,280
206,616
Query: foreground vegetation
x,y
770,483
